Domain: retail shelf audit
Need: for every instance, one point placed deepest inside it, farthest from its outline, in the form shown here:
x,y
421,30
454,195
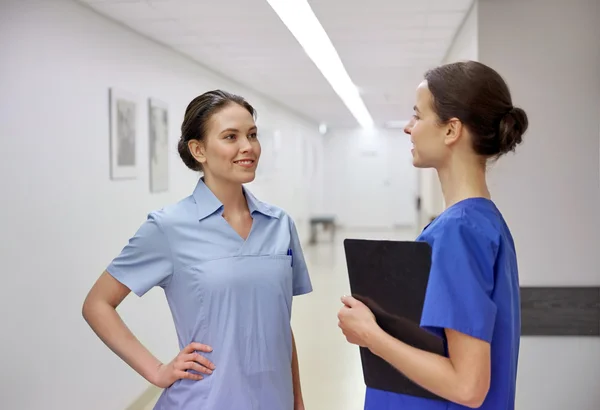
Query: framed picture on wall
x,y
158,143
123,134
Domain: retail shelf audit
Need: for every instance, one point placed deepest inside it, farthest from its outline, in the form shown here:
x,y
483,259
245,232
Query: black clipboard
x,y
391,278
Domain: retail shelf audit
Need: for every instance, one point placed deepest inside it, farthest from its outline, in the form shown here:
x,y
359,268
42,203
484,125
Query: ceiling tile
x,y
111,1
449,5
450,20
385,45
127,10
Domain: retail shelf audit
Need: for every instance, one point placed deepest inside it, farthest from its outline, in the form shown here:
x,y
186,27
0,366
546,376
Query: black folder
x,y
391,278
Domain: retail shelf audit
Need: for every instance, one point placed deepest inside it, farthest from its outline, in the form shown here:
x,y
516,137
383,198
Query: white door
x,y
380,182
404,177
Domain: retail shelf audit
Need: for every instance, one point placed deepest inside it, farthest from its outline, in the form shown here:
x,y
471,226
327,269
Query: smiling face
x,y
429,138
230,150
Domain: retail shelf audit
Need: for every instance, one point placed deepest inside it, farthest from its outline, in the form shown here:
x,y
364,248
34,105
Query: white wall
x,y
465,44
548,51
370,180
63,220
464,47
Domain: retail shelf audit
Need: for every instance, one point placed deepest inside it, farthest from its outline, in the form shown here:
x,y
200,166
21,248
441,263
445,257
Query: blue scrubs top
x,y
232,294
474,289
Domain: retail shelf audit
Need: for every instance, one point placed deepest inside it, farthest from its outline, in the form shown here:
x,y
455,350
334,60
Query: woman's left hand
x,y
357,322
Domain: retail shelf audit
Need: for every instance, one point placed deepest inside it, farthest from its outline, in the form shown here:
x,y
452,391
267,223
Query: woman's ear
x,y
198,150
453,131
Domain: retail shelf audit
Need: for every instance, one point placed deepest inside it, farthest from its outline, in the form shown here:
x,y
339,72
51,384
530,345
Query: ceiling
x,y
385,46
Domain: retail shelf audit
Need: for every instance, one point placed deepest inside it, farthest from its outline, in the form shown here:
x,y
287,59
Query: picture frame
x,y
158,145
124,130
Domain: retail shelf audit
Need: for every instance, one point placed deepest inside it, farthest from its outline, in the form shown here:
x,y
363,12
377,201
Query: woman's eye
x,y
230,136
254,135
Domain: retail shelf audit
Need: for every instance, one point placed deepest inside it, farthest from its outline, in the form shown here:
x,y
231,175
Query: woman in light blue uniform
x,y
229,265
464,116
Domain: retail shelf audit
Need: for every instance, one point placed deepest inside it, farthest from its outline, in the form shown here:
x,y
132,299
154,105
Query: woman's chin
x,y
416,163
245,177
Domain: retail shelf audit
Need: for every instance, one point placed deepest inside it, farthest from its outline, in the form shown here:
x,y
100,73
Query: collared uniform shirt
x,y
232,294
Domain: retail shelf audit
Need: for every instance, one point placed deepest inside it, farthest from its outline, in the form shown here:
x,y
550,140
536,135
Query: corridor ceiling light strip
x,y
299,18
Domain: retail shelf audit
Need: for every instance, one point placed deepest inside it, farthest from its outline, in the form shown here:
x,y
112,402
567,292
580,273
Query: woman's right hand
x,y
186,360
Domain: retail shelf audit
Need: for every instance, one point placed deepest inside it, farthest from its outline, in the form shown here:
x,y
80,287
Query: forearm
x,y
107,324
432,372
296,374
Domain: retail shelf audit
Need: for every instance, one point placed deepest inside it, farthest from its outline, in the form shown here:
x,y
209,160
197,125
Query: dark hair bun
x,y
480,98
512,127
186,156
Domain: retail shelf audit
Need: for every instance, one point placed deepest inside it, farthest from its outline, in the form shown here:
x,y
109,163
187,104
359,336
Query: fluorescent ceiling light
x,y
299,18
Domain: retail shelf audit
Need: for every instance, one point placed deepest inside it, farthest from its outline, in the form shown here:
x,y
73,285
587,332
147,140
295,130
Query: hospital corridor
x,y
300,204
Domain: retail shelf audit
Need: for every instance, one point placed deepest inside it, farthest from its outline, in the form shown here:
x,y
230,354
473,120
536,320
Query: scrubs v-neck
x,y
232,294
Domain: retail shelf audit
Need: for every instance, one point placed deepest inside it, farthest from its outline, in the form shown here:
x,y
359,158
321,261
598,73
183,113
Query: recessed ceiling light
x,y
323,128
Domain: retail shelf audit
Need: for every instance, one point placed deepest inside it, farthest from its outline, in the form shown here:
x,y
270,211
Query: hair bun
x,y
186,155
512,127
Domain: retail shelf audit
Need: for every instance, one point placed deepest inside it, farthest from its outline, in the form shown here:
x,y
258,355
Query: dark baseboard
x,y
560,311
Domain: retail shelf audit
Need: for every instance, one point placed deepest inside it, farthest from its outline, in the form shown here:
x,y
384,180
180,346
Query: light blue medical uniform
x,y
474,289
232,294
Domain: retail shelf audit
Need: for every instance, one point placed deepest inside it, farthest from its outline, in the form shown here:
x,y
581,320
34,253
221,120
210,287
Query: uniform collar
x,y
207,203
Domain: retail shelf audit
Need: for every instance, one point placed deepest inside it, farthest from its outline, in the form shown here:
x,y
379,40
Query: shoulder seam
x,y
479,230
160,227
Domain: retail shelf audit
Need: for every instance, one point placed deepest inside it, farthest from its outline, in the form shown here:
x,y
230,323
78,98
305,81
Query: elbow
x,y
473,402
89,308
473,395
85,309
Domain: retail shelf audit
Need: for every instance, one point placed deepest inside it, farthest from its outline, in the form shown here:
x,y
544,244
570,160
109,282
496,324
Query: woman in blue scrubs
x,y
229,265
464,116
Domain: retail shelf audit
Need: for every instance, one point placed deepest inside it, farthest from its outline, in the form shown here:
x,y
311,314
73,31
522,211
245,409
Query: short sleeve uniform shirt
x,y
232,294
474,289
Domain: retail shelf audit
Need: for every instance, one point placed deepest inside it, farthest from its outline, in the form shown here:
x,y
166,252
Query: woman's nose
x,y
408,126
245,144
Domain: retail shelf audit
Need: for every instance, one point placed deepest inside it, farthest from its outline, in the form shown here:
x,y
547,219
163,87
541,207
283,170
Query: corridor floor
x,y
330,368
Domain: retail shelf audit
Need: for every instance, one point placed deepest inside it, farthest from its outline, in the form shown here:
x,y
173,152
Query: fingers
x,y
189,363
195,357
189,366
349,301
196,367
344,310
197,347
189,375
342,313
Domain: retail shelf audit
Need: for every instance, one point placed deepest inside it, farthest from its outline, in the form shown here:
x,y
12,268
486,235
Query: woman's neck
x,y
462,179
230,194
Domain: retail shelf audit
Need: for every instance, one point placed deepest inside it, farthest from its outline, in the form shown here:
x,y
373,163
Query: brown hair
x,y
478,96
197,115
